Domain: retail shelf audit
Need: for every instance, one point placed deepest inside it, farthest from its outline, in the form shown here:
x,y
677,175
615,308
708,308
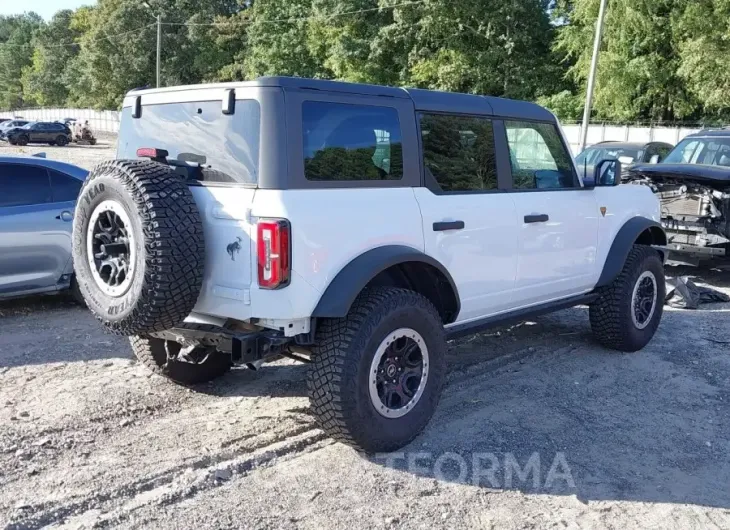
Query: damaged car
x,y
693,186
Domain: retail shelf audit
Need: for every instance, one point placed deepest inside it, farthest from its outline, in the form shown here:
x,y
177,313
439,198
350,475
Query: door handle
x,y
537,218
65,216
442,226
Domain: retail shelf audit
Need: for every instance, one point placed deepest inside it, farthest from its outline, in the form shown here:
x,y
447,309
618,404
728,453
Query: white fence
x,y
99,120
625,133
108,121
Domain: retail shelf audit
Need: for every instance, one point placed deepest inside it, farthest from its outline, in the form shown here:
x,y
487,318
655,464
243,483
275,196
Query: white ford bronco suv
x,y
356,228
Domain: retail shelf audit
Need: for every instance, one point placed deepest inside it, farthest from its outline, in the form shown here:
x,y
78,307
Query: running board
x,y
467,328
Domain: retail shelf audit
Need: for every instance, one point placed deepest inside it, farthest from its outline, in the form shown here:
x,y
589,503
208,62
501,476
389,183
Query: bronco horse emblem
x,y
234,248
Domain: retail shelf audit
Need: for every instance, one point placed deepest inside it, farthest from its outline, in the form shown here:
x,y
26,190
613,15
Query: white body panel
x,y
226,288
482,258
557,258
498,262
622,203
330,228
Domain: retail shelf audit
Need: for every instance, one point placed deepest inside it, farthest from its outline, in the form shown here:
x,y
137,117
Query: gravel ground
x,y
538,427
86,156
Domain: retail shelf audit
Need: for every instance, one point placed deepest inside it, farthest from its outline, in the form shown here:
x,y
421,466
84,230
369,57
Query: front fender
x,y
350,281
629,233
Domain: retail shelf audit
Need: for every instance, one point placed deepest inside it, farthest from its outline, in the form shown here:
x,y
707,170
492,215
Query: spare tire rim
x,y
643,299
398,373
110,248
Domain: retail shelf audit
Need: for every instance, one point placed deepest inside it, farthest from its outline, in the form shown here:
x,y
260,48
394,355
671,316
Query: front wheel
x,y
628,311
377,374
164,358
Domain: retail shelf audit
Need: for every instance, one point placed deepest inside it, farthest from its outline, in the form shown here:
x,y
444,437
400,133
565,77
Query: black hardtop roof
x,y
423,100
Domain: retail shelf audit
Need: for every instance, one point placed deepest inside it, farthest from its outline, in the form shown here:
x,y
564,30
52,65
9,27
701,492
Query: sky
x,y
45,8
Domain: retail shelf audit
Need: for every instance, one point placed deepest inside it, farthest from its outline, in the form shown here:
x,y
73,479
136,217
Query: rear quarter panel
x,y
331,227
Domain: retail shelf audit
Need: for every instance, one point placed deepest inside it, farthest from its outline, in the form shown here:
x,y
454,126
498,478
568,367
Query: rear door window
x,y
344,142
65,188
226,146
22,185
459,152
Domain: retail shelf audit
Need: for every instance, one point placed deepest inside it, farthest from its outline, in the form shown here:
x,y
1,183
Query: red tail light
x,y
151,152
273,246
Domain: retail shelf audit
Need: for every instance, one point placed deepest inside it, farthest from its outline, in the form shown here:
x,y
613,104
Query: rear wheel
x,y
377,374
186,367
628,311
61,141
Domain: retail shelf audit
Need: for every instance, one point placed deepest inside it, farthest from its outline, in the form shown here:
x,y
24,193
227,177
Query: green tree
x,y
277,40
44,80
118,52
702,35
16,53
638,69
496,47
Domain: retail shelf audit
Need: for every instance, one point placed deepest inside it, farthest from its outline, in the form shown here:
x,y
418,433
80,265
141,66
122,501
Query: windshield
x,y
707,151
593,155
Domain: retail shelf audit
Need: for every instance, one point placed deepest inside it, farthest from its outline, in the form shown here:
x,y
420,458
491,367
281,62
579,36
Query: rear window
x,y
227,146
351,142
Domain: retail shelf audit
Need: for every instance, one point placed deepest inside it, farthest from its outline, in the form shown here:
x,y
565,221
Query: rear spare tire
x,y
138,246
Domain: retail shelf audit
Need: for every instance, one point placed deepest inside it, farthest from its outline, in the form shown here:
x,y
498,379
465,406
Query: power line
x,y
99,39
298,19
214,24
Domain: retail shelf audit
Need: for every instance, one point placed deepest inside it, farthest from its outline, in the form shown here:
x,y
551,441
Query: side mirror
x,y
607,173
654,159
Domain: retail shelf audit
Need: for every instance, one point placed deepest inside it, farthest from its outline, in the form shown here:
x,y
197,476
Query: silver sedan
x,y
37,199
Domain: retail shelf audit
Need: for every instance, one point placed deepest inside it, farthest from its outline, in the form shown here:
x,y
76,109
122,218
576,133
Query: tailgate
x,y
228,250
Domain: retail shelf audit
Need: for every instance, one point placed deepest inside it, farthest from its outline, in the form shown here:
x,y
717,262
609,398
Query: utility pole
x,y
159,46
592,75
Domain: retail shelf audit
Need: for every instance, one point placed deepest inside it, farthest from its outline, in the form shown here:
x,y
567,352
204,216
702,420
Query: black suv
x,y
40,132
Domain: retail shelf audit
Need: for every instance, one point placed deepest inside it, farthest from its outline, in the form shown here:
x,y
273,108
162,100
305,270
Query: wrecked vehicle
x,y
693,186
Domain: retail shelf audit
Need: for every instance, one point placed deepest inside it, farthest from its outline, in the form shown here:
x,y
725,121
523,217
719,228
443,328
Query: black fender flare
x,y
339,295
621,246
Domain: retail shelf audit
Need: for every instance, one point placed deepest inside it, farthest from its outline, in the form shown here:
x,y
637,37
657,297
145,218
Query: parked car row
x,y
51,133
37,200
628,153
692,183
23,132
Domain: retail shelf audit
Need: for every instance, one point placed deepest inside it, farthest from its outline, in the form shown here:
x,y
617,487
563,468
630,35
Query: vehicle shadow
x,y
46,329
572,418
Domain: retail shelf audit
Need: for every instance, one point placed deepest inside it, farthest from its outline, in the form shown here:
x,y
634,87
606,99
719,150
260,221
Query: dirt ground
x,y
86,156
538,427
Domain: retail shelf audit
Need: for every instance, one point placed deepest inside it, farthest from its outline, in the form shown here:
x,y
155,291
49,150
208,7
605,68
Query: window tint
x,y
538,157
459,152
663,151
684,152
227,146
64,188
22,185
351,142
